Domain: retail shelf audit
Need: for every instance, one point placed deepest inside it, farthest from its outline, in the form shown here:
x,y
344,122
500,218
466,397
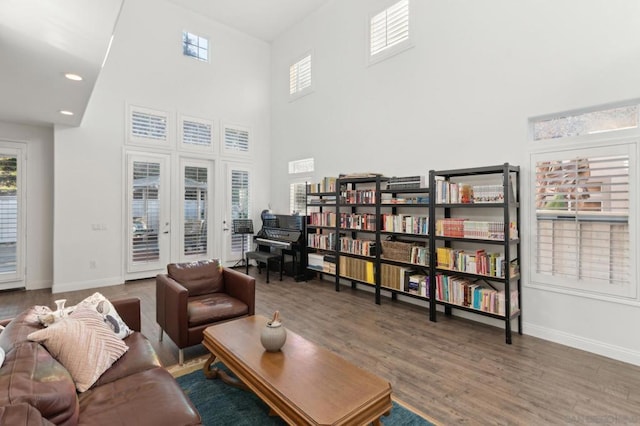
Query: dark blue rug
x,y
220,404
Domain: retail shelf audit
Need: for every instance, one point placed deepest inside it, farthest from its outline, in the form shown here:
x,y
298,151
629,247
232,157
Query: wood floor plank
x,y
455,370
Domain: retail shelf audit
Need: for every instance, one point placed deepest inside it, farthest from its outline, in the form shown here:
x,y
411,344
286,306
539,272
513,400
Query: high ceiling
x,y
41,40
263,19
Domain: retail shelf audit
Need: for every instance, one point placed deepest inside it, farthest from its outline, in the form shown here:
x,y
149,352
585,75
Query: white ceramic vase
x,y
273,336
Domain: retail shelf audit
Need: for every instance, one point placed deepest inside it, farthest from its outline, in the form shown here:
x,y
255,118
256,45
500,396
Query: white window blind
x,y
145,212
9,213
300,76
582,202
195,210
197,132
239,205
147,125
389,27
298,197
236,139
305,165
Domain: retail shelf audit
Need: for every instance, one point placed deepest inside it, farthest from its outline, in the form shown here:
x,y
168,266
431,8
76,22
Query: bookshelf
x,y
358,230
454,244
474,242
404,234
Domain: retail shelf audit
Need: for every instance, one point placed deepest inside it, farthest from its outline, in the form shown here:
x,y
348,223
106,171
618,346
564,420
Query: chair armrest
x,y
171,309
129,311
241,286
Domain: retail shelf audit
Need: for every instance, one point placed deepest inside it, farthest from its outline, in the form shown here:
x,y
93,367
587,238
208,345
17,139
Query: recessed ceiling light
x,y
74,77
65,112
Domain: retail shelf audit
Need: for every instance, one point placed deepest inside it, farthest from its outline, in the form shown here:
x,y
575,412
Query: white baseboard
x,y
610,351
84,285
38,285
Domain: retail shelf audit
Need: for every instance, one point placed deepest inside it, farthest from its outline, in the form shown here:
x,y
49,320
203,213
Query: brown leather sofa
x,y
35,389
195,295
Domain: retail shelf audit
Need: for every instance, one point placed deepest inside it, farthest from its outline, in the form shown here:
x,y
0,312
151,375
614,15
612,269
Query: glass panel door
x,y
11,232
196,187
237,207
148,213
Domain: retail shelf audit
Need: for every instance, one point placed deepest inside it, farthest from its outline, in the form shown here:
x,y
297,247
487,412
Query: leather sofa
x,y
35,389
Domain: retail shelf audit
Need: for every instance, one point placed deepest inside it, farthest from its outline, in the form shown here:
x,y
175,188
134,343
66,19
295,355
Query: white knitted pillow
x,y
83,344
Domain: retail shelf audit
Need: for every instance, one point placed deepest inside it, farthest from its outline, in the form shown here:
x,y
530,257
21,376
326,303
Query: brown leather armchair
x,y
195,295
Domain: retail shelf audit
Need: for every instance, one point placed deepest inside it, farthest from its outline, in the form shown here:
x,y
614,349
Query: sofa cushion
x,y
214,307
103,306
16,332
140,357
200,277
22,415
99,350
151,397
30,375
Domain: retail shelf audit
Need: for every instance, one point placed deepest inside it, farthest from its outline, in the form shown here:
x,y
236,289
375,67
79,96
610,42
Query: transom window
x,y
585,123
195,46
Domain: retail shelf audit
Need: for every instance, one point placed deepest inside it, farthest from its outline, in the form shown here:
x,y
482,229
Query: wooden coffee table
x,y
303,383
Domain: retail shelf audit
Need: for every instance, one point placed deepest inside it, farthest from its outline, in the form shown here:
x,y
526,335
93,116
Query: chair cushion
x,y
214,307
200,277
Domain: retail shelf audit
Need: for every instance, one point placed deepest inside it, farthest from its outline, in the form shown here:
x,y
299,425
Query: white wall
x,y
146,68
461,97
39,194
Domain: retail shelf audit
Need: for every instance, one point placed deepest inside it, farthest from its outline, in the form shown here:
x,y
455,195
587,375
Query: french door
x,y
12,213
237,206
196,212
148,214
169,210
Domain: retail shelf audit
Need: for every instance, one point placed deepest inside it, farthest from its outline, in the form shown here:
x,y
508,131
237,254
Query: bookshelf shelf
x,y
457,276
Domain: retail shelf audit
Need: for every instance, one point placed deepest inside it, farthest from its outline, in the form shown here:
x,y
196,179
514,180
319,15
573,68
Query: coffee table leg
x,y
216,373
206,368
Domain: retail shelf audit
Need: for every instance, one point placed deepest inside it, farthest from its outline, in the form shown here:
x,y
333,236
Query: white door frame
x,y
230,256
17,279
135,270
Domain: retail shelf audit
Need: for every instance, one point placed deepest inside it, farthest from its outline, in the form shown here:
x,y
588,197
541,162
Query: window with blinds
x,y
145,212
196,133
9,213
389,30
298,197
300,79
196,189
148,126
236,140
582,211
239,206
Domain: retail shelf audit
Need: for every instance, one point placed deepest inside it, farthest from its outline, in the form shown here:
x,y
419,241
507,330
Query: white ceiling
x,y
41,40
263,19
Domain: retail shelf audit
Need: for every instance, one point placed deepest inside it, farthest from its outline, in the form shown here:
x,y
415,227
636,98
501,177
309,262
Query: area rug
x,y
220,404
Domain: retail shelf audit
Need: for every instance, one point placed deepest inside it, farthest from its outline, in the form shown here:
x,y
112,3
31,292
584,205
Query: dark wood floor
x,y
455,370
